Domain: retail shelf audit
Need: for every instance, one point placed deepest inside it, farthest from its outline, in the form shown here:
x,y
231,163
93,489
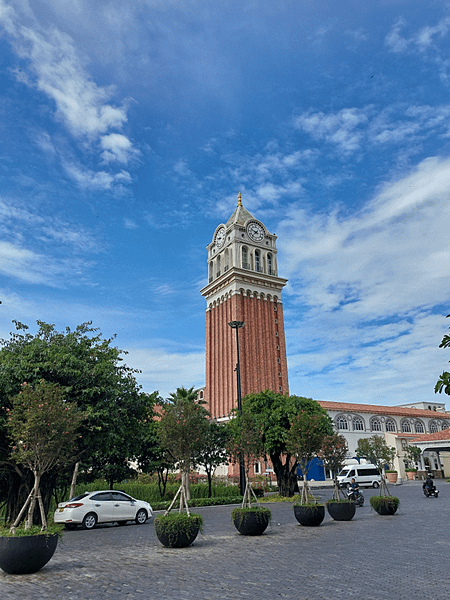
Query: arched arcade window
x,y
358,424
341,422
406,426
375,424
390,425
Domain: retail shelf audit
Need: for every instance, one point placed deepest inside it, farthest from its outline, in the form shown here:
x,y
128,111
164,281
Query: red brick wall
x,y
262,352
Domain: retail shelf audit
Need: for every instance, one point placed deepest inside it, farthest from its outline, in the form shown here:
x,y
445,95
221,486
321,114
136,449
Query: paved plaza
x,y
384,558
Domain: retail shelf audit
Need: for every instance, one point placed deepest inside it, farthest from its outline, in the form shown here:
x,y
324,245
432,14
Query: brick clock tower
x,y
243,285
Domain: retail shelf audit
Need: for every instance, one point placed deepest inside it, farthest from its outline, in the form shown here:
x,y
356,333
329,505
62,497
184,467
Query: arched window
x,y
341,422
406,426
434,428
270,264
390,425
375,424
358,424
418,427
444,425
245,263
218,266
258,261
226,262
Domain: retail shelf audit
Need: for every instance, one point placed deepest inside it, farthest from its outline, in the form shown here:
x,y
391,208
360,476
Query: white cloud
x,y
364,288
165,371
350,129
116,147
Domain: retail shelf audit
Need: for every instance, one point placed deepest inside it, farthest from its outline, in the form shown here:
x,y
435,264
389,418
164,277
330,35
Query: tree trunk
x,y
34,499
74,480
286,475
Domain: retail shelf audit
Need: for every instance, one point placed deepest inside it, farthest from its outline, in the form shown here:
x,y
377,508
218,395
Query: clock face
x,y
255,232
220,237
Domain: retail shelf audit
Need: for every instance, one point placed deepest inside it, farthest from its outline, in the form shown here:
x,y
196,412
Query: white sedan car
x,y
109,506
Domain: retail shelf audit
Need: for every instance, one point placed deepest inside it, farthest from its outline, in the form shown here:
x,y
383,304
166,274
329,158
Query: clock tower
x,y
243,285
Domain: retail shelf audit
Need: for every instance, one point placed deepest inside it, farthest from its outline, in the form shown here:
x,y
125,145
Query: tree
x,y
379,454
42,427
213,452
182,430
412,454
443,383
274,414
245,443
154,458
93,376
304,440
333,453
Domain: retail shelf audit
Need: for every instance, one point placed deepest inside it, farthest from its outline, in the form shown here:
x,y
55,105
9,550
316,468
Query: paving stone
x,y
378,558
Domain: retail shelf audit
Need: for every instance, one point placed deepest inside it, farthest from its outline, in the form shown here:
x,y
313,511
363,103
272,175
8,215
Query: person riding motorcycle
x,y
354,493
429,484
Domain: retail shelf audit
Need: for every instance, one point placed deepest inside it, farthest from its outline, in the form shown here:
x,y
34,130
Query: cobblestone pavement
x,y
405,556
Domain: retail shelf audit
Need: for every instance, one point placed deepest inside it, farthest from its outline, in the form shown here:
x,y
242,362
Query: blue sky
x,y
128,128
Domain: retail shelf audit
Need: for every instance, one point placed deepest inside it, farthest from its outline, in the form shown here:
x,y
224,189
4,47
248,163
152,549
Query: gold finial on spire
x,y
239,199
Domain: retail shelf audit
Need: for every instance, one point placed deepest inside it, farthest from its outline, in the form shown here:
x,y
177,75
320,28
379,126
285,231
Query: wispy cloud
x,y
54,66
366,285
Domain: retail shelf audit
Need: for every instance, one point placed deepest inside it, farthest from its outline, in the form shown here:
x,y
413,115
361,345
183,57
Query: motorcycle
x,y
355,496
430,492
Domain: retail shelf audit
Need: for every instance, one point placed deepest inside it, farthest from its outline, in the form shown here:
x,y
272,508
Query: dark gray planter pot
x,y
309,516
26,554
341,511
177,539
251,523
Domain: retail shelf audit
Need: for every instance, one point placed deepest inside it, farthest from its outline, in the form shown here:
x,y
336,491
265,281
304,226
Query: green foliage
x,y
379,501
33,530
379,453
42,427
443,383
413,454
93,376
244,439
213,451
174,523
183,426
304,441
332,454
197,502
274,414
239,515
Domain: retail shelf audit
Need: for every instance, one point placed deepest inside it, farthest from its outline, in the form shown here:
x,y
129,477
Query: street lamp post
x,y
237,325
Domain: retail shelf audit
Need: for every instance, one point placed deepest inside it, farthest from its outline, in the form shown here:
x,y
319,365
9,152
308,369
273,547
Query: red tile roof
x,y
432,437
399,411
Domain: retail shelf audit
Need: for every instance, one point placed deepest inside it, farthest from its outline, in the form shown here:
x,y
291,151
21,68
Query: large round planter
x,y
386,509
251,522
386,505
309,516
341,511
20,555
411,475
179,535
392,477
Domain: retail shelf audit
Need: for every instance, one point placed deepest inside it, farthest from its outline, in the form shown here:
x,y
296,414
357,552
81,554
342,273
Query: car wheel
x,y
141,516
89,521
70,526
375,484
121,523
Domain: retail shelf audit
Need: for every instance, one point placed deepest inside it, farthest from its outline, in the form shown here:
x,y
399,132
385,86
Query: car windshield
x,y
79,497
344,473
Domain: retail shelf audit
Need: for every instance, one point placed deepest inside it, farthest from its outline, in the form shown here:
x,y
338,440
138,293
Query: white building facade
x,y
426,425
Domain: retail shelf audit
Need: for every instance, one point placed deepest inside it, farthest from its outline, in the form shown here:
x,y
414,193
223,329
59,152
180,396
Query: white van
x,y
365,475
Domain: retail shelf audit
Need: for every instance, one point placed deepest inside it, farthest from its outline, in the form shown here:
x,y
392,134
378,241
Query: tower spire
x,y
239,199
